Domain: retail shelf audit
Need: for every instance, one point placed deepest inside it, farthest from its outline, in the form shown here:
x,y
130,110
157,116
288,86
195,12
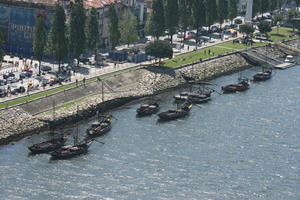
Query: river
x,y
237,146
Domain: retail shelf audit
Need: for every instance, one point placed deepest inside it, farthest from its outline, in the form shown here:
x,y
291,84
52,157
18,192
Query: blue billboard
x,y
18,25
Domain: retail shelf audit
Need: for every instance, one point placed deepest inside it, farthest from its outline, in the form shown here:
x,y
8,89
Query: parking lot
x,y
19,76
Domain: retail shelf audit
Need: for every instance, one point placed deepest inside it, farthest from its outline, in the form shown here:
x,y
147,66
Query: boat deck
x,y
284,65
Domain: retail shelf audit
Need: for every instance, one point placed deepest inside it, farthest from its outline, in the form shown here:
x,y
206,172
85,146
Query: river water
x,y
238,146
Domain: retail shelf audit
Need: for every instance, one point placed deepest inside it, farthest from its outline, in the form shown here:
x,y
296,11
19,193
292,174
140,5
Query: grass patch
x,y
283,34
223,48
14,102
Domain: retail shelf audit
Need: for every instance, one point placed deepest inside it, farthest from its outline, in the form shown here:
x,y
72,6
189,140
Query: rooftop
x,y
87,3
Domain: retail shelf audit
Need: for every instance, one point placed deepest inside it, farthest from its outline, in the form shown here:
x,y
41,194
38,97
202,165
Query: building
x,y
17,19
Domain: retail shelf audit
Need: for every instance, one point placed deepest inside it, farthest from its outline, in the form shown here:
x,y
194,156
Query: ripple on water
x,y
238,146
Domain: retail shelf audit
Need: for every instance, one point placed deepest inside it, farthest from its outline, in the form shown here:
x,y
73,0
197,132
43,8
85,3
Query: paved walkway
x,y
89,71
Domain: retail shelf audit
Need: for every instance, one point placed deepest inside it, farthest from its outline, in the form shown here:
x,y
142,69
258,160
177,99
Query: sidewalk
x,y
91,71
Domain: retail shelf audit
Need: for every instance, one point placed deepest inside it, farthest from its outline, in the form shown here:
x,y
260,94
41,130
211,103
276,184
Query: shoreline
x,y
151,81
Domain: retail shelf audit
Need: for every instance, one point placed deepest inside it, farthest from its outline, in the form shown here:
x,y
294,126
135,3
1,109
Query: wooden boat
x,y
263,76
175,114
70,151
47,146
148,109
193,97
100,128
238,87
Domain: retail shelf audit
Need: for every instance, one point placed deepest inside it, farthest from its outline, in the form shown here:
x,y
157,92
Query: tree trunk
x,y
59,66
40,67
171,38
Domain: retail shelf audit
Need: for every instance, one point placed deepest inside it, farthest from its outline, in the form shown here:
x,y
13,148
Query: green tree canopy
x,y
114,33
256,7
222,11
199,14
159,49
57,45
184,15
92,30
128,28
157,19
171,17
264,27
246,29
39,40
2,53
212,12
77,29
232,12
265,6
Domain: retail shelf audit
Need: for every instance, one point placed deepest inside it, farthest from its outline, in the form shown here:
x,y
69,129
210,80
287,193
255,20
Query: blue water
x,y
237,146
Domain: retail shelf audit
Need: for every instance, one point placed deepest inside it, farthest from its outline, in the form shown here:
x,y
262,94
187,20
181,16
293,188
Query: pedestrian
x,y
208,51
83,81
188,47
76,82
115,65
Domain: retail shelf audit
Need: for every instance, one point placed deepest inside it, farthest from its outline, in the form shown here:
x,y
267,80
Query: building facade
x,y
17,20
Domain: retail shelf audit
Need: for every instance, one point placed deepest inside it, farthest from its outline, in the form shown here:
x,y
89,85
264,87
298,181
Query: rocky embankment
x,y
15,122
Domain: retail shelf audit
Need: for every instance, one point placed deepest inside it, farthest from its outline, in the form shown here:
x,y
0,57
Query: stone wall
x,y
153,82
15,122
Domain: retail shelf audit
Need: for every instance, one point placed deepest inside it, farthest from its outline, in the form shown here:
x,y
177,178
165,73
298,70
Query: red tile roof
x,y
87,3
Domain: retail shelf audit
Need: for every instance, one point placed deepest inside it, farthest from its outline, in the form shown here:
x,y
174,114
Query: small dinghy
x,y
178,113
148,109
263,76
47,146
100,128
237,87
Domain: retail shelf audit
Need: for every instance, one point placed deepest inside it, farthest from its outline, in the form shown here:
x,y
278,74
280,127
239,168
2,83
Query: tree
x,y
128,28
222,11
232,12
274,4
198,14
39,41
77,30
184,15
114,34
157,19
92,34
212,12
264,6
2,53
57,42
264,27
171,17
246,29
278,18
297,3
159,49
256,7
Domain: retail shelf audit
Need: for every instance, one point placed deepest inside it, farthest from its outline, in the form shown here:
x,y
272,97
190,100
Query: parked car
x,y
84,60
3,82
214,29
238,21
12,80
3,92
45,68
25,74
53,81
193,34
63,77
8,74
180,35
17,89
